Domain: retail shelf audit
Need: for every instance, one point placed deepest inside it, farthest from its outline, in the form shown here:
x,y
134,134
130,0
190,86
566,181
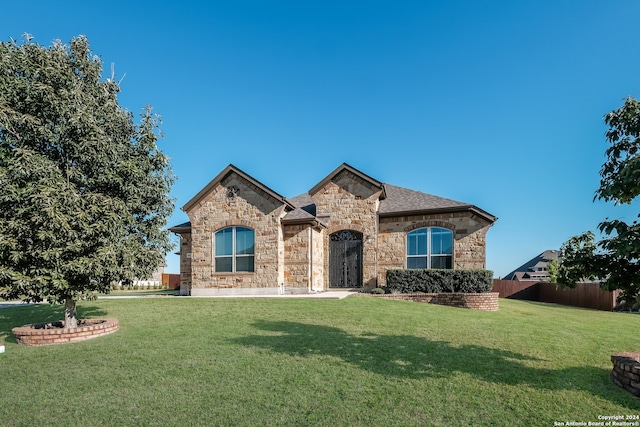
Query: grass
x,y
299,362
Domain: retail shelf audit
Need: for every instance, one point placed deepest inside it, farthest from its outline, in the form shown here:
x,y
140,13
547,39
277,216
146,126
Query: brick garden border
x,y
36,334
485,301
626,371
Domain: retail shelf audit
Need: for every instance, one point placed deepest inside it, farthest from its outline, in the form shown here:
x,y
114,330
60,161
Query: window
x,y
234,250
430,248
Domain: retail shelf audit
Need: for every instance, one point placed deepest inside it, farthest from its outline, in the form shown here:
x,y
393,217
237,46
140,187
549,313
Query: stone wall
x,y
350,203
626,371
317,254
296,251
304,258
487,301
469,239
236,202
185,264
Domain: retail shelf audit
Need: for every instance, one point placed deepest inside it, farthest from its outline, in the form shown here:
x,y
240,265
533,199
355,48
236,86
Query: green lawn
x,y
300,362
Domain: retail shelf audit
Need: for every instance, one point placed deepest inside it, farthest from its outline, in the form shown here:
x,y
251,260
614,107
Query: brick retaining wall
x,y
626,371
36,334
486,301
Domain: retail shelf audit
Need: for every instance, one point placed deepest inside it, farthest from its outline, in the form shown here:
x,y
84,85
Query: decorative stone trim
x,y
430,223
38,334
626,371
486,301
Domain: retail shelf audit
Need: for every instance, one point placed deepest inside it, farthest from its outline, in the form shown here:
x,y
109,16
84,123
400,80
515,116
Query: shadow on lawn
x,y
415,357
21,315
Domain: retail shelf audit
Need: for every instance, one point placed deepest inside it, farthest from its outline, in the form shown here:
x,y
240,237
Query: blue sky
x,y
498,104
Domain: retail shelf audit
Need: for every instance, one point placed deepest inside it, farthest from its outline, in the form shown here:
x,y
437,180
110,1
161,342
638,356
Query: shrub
x,y
408,281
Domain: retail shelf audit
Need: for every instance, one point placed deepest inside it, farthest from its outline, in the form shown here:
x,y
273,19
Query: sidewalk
x,y
318,295
6,304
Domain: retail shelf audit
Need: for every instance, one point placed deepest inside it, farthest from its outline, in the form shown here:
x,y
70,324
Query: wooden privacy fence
x,y
587,295
171,281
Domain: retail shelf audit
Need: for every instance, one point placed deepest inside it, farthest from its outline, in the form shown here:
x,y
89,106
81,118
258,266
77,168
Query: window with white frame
x,y
234,250
430,247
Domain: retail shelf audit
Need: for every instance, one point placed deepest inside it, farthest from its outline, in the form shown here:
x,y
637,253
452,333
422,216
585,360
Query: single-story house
x,y
345,232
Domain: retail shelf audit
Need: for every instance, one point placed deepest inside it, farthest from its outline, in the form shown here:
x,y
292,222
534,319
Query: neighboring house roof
x,y
535,268
394,200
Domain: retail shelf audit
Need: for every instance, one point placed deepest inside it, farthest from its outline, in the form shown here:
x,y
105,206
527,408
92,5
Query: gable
x,y
352,181
237,183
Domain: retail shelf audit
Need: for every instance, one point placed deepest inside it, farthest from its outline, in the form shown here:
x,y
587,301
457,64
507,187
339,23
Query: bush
x,y
437,281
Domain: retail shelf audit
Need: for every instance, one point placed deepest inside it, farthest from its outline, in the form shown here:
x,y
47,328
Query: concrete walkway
x,y
6,304
317,295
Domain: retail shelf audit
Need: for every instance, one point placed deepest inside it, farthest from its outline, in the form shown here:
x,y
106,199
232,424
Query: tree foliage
x,y
85,189
614,259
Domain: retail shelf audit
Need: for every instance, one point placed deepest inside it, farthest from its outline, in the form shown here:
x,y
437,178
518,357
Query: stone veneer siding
x,y
469,239
297,256
185,264
626,371
252,208
487,301
351,204
304,258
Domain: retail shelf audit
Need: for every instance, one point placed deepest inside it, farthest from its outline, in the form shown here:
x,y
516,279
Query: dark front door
x,y
345,259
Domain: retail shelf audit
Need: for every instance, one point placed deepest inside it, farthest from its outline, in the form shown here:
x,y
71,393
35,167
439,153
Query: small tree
x,y
615,258
85,190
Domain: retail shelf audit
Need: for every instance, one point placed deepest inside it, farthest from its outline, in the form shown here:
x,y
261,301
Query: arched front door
x,y
345,259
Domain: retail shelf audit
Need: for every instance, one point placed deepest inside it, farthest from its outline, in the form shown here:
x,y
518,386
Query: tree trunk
x,y
70,315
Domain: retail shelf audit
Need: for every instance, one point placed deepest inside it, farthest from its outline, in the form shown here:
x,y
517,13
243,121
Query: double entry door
x,y
345,259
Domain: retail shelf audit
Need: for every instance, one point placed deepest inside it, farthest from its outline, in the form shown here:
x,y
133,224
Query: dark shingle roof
x,y
180,228
297,214
404,200
302,201
304,211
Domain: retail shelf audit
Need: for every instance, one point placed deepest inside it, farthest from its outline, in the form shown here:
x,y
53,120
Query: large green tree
x,y
615,258
85,189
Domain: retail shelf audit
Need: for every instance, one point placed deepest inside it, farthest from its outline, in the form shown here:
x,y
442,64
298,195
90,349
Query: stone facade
x,y
469,239
185,264
304,258
350,203
237,202
293,237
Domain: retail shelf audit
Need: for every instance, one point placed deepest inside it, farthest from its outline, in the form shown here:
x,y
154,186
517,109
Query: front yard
x,y
300,362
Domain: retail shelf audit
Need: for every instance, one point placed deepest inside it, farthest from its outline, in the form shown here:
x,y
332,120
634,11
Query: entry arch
x,y
345,259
